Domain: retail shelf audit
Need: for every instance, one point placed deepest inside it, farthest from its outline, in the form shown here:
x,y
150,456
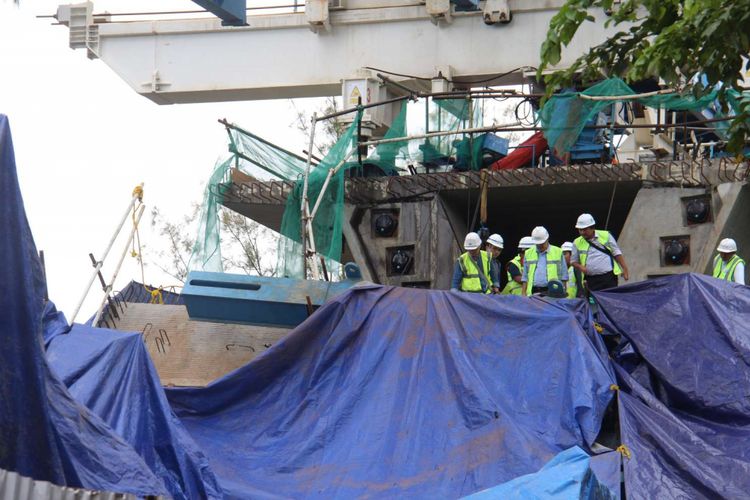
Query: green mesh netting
x,y
327,224
261,159
257,153
445,115
386,156
564,116
206,254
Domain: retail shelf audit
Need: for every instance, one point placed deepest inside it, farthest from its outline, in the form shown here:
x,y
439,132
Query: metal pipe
x,y
331,173
364,106
438,134
396,84
227,124
513,128
119,264
99,264
304,209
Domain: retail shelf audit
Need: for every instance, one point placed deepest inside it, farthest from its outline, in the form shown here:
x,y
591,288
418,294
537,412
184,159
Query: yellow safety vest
x,y
512,287
470,281
572,285
554,265
602,237
728,272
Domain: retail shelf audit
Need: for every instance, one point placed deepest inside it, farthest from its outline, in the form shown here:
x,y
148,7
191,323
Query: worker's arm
x,y
515,272
523,289
621,260
524,279
495,275
617,255
739,274
457,276
574,261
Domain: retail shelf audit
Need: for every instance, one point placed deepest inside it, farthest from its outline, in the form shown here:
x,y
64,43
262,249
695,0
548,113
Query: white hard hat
x,y
584,221
567,247
727,245
472,241
526,242
539,235
496,241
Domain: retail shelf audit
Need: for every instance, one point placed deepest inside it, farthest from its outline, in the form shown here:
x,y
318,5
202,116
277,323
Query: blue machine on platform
x,y
258,300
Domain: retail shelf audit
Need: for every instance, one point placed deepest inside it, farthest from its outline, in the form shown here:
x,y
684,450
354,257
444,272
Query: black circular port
x,y
400,262
697,211
385,225
675,252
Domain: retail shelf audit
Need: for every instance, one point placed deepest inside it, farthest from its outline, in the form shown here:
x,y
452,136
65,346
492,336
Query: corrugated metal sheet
x,y
13,486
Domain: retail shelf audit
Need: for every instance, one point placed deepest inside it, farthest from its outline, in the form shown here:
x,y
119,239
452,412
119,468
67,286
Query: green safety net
x,y
206,253
254,156
388,155
461,150
565,115
263,160
328,221
256,153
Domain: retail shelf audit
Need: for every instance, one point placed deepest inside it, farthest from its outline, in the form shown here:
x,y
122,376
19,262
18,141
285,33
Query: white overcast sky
x,y
83,139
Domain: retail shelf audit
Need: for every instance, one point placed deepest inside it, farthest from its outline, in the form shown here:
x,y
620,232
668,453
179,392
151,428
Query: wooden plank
x,y
195,352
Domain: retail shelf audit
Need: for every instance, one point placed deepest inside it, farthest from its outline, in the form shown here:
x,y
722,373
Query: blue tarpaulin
x,y
568,476
387,392
398,392
685,398
111,373
44,433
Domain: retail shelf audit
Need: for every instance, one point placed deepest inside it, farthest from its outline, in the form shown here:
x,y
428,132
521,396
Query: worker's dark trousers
x,y
601,281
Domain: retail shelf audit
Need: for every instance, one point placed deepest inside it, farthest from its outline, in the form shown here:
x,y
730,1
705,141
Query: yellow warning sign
x,y
354,96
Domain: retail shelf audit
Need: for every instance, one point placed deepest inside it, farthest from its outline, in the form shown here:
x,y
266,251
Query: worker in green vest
x,y
597,256
574,281
472,272
514,268
542,263
728,265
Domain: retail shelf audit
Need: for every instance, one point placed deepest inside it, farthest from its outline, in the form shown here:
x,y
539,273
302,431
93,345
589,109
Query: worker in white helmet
x,y
574,281
542,263
728,265
472,272
597,256
494,247
514,268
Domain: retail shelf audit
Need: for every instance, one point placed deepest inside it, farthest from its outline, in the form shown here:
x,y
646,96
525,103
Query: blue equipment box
x,y
255,300
496,144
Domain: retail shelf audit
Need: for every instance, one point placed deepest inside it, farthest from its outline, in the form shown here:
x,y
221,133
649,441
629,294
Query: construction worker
x,y
472,272
515,268
494,248
574,281
597,256
728,265
542,263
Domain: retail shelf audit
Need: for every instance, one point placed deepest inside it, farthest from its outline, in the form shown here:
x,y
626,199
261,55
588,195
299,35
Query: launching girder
x,y
309,53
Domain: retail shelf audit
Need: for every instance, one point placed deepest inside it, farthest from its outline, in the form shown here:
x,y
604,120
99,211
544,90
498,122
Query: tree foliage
x,y
246,245
327,132
674,40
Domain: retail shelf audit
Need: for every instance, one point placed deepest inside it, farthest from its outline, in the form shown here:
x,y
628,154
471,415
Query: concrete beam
x,y
277,56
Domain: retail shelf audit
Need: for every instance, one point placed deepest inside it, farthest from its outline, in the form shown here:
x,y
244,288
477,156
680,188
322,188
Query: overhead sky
x,y
83,139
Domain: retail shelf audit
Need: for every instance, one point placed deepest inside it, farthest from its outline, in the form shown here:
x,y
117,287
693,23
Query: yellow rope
x,y
625,451
614,387
599,328
138,191
156,297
